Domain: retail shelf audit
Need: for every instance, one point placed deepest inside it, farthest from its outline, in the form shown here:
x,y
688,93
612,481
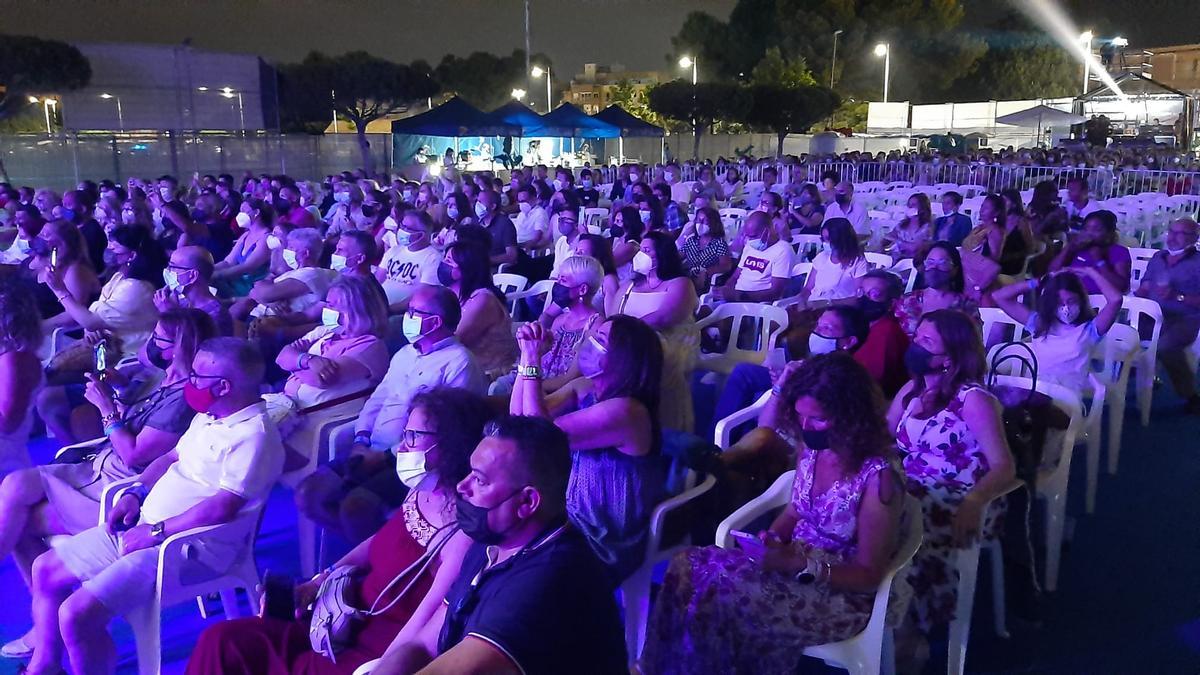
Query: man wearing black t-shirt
x,y
531,597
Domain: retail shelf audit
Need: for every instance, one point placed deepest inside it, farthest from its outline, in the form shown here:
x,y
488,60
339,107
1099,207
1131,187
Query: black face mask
x,y
445,274
473,520
937,278
560,295
918,360
815,439
154,354
872,310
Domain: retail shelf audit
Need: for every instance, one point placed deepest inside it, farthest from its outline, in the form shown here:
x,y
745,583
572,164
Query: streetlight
x,y
518,94
538,71
690,62
201,88
120,116
884,50
833,61
228,92
1086,39
47,104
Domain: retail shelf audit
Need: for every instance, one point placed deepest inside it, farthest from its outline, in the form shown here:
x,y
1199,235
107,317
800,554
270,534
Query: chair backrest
x,y
1137,270
802,244
878,261
996,318
905,270
1120,344
771,322
509,283
1134,312
1068,400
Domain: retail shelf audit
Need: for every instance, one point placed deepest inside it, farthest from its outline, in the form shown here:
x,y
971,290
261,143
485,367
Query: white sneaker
x,y
16,649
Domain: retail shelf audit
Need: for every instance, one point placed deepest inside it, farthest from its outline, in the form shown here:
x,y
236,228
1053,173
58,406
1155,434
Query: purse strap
x,y
419,565
1028,362
335,402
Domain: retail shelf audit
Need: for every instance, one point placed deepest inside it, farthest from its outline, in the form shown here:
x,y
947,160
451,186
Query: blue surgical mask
x,y
337,262
480,209
289,257
329,317
759,244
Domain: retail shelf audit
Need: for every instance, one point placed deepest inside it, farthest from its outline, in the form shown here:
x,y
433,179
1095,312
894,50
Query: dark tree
x,y
360,87
699,105
485,80
788,110
30,65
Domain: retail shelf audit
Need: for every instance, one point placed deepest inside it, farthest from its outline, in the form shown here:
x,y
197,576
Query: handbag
x,y
1028,415
335,617
980,271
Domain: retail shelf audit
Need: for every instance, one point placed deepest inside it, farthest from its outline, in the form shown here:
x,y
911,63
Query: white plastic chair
x,y
635,590
869,652
1053,476
770,322
723,430
905,270
878,261
993,319
802,244
368,667
509,283
1120,347
181,579
542,287
1133,311
595,215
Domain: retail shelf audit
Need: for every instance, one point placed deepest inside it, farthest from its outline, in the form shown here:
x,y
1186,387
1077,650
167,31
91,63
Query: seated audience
x,y
486,327
820,561
942,274
186,284
352,495
807,212
20,370
765,267
836,269
61,244
223,466
443,428
1095,246
411,261
1046,214
915,231
573,297
600,248
952,226
530,596
248,261
704,249
610,415
844,207
1172,279
955,455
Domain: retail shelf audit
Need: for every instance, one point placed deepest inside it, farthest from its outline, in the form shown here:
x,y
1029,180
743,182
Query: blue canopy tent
x,y
532,125
630,125
430,133
580,124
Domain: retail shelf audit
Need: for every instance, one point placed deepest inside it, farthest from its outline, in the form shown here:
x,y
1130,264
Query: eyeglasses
x,y
161,340
411,436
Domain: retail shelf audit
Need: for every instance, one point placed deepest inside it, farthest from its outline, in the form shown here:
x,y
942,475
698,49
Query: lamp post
x,y
833,60
120,116
538,71
883,49
229,93
1086,39
693,63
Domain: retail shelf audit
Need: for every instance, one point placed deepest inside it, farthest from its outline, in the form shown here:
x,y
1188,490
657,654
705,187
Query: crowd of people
x,y
508,450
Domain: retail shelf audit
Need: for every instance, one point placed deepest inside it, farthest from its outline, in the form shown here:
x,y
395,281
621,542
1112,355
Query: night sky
x,y
635,33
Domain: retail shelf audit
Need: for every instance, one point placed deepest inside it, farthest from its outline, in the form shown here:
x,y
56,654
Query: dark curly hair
x,y
853,405
457,416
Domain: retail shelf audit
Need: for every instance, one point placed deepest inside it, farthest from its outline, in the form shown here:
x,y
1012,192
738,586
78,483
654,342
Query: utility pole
x,y
527,41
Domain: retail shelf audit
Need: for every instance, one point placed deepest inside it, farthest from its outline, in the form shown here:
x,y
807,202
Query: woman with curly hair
x,y
812,580
20,369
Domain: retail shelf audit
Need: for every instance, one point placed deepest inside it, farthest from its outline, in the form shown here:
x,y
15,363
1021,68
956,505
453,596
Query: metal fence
x,y
62,160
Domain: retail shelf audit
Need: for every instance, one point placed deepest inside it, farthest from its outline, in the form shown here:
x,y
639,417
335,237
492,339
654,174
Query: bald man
x,y
843,206
1172,279
186,284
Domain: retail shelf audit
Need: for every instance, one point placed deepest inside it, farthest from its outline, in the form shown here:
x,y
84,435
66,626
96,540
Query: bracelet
x,y
303,362
776,391
362,438
110,418
110,429
1032,283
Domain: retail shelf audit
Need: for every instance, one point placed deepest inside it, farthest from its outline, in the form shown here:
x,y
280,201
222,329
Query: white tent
x,y
1039,116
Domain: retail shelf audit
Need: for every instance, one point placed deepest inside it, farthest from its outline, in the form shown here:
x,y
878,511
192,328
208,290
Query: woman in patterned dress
x,y
754,611
956,459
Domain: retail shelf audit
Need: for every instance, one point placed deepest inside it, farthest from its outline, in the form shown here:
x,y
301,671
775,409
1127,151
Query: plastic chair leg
x,y
145,624
960,627
307,532
1055,521
887,653
1145,389
1116,424
999,608
1093,466
635,595
230,604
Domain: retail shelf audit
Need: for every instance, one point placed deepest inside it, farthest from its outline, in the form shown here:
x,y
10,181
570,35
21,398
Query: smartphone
x,y
53,258
101,359
279,596
749,543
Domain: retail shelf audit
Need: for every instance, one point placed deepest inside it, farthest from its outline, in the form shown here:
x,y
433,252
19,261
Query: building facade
x,y
1177,67
592,90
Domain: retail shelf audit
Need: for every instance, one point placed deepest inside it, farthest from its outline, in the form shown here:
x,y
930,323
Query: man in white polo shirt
x,y
765,266
843,206
224,464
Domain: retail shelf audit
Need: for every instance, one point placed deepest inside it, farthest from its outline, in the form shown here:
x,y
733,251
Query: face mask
x,y
918,360
337,262
410,467
910,212
473,520
1176,251
702,230
590,356
566,227
242,219
872,310
1067,313
411,325
842,200
273,242
154,354
826,247
670,177
452,212
524,207
587,183
289,257
480,210
408,196
341,197
642,263
560,295
99,214
128,217
819,344
329,317
558,185
445,274
634,177
936,277
165,193
759,244
110,258
200,400
645,216
171,279
815,439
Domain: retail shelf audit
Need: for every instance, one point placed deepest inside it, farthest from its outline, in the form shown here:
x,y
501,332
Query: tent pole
x,y
662,149
620,149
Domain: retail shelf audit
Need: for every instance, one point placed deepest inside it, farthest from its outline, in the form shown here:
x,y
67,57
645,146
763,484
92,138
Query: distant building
x,y
1177,67
144,87
592,90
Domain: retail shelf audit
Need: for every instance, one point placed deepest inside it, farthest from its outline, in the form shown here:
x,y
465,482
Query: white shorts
x,y
120,582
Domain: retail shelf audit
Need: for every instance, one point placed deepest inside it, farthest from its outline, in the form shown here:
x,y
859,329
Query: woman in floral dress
x,y
956,458
754,610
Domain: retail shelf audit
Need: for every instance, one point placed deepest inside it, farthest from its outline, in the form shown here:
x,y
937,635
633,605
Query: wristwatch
x,y
159,530
532,372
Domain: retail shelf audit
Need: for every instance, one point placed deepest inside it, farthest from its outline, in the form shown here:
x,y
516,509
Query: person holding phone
x,y
819,562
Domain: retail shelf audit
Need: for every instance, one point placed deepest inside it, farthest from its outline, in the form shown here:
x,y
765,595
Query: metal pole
x,y
116,155
548,89
887,71
527,47
242,113
333,99
120,115
833,61
1087,64
46,109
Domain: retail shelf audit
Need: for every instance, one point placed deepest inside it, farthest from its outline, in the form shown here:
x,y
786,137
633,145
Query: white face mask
x,y
341,197
634,177
524,207
165,193
411,469
242,219
1067,313
558,185
289,257
819,344
701,230
171,279
911,212
99,214
645,216
1177,251
337,262
480,209
411,325
329,317
642,263
587,183
273,242
452,212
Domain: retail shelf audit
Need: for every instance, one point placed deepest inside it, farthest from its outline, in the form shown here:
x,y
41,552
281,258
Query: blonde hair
x,y
583,269
366,309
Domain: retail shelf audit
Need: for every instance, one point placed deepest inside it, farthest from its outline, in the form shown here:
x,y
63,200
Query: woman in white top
x,y
661,294
1062,325
836,269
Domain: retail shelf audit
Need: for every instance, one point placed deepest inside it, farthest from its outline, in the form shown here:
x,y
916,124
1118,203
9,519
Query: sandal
x,y
16,649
